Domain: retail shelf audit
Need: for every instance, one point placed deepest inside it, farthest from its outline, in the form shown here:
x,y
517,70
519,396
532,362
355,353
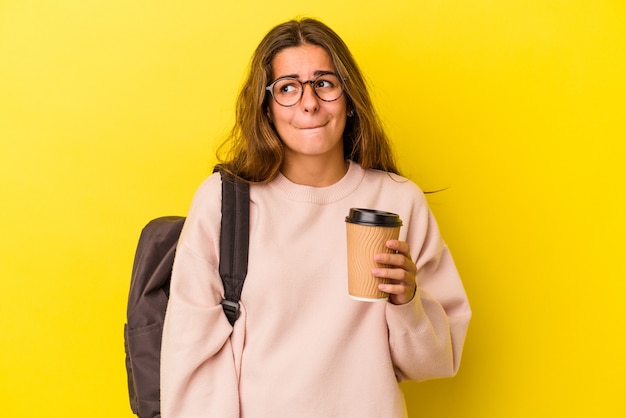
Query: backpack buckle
x,y
231,309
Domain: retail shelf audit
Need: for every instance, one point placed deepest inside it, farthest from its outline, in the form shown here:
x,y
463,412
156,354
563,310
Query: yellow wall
x,y
110,112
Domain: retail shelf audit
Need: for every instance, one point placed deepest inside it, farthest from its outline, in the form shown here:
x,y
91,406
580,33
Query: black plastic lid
x,y
373,217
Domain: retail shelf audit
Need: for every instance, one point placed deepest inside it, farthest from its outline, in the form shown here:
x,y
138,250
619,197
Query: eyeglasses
x,y
287,91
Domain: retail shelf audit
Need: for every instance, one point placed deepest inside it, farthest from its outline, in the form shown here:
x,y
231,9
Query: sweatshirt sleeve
x,y
198,376
426,335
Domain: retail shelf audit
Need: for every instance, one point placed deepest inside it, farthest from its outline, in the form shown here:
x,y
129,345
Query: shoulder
x,y
398,194
393,183
208,195
204,216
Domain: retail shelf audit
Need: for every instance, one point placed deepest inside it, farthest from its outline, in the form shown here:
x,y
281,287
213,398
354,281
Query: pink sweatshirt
x,y
301,347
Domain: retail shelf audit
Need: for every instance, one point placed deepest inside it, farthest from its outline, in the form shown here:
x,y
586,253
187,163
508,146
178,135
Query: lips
x,y
321,125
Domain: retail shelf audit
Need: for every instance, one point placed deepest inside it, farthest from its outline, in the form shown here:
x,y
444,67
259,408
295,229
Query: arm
x,y
198,375
427,331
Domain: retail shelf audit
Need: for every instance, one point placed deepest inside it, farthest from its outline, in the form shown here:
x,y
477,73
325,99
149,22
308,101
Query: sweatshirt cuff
x,y
408,313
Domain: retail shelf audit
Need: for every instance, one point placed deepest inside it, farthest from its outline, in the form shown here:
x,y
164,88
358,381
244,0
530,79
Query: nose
x,y
310,101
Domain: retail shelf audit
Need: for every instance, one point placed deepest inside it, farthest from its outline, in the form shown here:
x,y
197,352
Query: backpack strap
x,y
234,241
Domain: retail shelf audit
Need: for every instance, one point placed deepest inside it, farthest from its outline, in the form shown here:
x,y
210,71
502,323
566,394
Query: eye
x,y
287,87
324,84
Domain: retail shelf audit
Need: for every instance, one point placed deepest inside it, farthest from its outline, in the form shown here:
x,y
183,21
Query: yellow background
x,y
110,112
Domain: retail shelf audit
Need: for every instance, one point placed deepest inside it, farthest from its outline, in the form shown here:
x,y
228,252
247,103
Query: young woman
x,y
308,140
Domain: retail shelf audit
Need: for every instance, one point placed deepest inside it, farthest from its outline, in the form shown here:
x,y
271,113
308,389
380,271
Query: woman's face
x,y
312,127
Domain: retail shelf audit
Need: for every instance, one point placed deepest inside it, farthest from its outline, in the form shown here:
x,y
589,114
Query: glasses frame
x,y
311,82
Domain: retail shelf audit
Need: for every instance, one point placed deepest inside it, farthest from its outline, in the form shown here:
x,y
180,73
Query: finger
x,y
401,247
394,288
397,274
396,260
399,294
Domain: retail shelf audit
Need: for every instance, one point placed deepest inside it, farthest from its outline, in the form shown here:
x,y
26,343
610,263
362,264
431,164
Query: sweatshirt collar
x,y
320,195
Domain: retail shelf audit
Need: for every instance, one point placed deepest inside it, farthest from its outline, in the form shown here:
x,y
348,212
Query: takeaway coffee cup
x,y
367,232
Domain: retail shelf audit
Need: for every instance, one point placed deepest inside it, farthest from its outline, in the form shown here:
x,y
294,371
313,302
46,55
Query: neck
x,y
314,171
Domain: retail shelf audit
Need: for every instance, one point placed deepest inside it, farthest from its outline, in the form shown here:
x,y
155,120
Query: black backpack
x,y
150,283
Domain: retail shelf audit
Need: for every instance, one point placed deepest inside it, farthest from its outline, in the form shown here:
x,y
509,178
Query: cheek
x,y
280,117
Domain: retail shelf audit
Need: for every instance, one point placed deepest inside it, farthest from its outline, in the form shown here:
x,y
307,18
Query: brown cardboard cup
x,y
367,232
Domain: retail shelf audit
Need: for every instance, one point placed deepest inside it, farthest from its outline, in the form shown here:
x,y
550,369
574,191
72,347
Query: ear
x,y
350,108
268,112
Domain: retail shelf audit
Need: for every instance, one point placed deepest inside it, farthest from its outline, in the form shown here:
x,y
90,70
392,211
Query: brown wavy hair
x,y
255,152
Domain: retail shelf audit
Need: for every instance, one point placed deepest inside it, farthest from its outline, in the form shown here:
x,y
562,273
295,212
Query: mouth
x,y
310,127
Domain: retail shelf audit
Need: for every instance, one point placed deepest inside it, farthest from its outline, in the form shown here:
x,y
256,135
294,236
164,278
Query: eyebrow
x,y
315,74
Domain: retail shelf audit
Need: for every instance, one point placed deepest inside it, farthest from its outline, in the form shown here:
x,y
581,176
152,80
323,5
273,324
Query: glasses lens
x,y
287,91
328,87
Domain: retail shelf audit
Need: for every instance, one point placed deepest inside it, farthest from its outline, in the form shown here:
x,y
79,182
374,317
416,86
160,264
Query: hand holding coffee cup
x,y
368,231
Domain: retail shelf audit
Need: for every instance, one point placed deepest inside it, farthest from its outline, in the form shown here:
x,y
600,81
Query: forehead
x,y
302,61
